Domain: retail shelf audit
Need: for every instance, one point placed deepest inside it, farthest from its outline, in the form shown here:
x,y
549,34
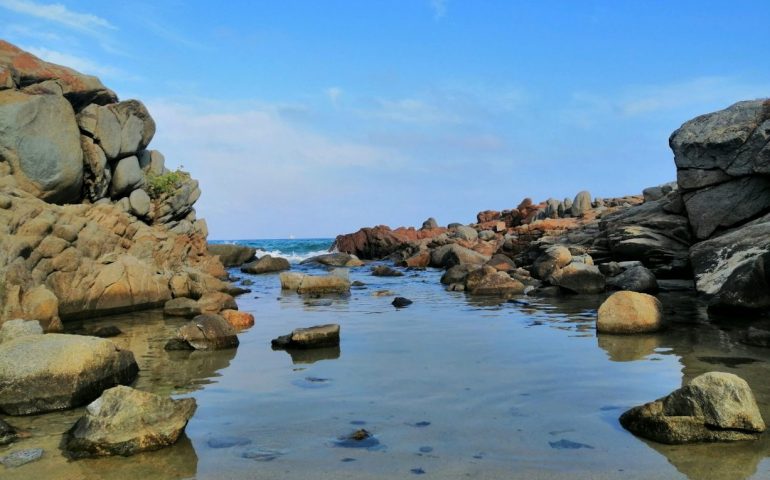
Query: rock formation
x,y
91,222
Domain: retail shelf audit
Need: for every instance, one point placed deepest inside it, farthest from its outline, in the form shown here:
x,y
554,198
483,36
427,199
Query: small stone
x,y
21,457
108,331
401,302
385,271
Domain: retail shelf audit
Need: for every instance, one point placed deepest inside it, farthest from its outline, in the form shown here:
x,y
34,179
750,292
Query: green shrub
x,y
159,185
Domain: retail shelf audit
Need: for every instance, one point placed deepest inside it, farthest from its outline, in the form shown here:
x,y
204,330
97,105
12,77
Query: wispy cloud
x,y
81,64
334,94
60,14
439,8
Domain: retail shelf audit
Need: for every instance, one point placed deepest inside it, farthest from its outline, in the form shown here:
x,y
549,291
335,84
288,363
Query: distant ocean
x,y
293,249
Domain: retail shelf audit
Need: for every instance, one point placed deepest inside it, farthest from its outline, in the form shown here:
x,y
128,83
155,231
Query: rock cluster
x,y
91,221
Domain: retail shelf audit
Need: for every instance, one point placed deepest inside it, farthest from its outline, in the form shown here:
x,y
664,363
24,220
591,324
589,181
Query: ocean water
x,y
294,250
451,387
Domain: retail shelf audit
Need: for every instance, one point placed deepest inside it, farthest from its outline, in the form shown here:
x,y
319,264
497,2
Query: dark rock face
x,y
635,279
401,302
232,255
125,421
722,159
59,372
654,233
733,269
8,434
714,407
266,264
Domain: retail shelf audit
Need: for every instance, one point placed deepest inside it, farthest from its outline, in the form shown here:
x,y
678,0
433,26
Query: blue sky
x,y
313,118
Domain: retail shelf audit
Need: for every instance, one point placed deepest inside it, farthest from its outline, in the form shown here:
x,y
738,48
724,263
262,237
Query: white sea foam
x,y
292,257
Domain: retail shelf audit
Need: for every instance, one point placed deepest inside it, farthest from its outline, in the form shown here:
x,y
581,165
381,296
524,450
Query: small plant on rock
x,y
166,183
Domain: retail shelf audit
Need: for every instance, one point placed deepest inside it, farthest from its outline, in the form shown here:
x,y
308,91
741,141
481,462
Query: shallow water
x,y
450,387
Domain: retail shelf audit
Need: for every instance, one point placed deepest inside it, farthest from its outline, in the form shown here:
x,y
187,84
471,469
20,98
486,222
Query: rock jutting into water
x,y
59,371
321,336
336,282
232,255
266,264
124,421
714,407
629,312
204,332
334,260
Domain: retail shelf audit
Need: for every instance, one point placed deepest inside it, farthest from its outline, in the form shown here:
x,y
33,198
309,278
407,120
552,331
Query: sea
x,y
451,387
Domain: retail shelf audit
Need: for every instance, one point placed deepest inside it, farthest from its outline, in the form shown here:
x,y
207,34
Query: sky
x,y
315,118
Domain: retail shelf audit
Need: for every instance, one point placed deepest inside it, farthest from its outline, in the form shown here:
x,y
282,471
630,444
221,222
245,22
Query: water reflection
x,y
629,348
185,371
313,355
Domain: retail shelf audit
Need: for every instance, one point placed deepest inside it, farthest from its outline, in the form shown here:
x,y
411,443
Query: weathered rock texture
x,y
90,221
714,407
43,373
125,421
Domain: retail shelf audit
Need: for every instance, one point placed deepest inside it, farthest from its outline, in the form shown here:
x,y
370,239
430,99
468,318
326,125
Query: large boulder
x,y
301,283
714,407
488,281
40,141
722,160
17,328
635,279
204,332
629,312
581,204
337,259
733,269
266,264
579,278
124,421
551,260
463,232
121,129
453,254
43,373
232,255
126,176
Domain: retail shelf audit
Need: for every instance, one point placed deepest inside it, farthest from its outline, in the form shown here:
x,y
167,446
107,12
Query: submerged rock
x,y
385,271
714,407
320,336
21,457
204,332
107,331
125,421
629,312
488,281
266,264
59,371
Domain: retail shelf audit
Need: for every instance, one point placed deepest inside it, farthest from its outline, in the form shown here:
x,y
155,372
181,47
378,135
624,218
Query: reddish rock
x,y
487,216
237,319
419,260
380,241
26,69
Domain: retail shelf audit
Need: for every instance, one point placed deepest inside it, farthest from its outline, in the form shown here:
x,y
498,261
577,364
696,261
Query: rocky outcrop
x,y
714,407
124,421
232,255
723,162
266,264
43,373
379,242
91,222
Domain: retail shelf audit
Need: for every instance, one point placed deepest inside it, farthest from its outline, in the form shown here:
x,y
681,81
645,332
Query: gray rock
x,y
487,235
692,178
551,260
17,328
8,434
488,281
182,307
714,407
320,336
204,332
124,421
733,269
96,175
552,208
21,457
581,204
126,177
152,162
466,233
334,260
301,283
401,302
59,372
40,140
656,193
232,255
266,264
429,224
456,274
140,203
578,278
450,255
136,126
636,279
385,271
733,140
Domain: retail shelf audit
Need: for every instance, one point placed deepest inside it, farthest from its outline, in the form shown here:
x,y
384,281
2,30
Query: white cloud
x,y
334,94
58,13
412,110
439,8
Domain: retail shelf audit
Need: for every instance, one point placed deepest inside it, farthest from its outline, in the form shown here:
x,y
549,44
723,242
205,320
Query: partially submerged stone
x,y
401,302
320,336
635,279
301,283
232,255
629,312
59,371
204,332
579,278
386,271
714,407
266,264
237,319
125,421
337,259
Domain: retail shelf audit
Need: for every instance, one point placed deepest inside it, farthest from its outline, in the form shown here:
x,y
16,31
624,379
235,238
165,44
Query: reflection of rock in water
x,y
186,371
313,355
627,348
715,461
176,461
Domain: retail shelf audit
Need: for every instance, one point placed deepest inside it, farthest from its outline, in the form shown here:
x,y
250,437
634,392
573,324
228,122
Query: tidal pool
x,y
449,387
